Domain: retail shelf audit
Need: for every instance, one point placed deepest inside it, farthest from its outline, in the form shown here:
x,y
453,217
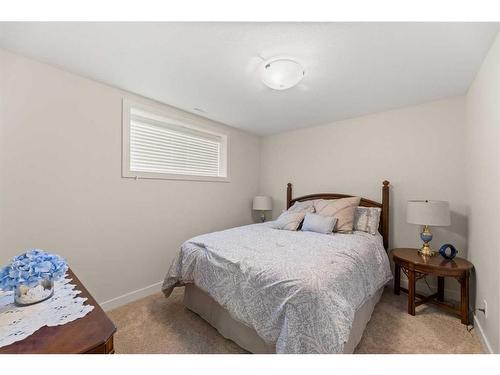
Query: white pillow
x,y
289,220
318,223
306,206
366,219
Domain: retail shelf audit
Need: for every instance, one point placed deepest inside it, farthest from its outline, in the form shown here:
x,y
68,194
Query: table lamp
x,y
428,213
262,203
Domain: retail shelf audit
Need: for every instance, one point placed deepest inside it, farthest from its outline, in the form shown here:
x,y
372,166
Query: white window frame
x,y
174,119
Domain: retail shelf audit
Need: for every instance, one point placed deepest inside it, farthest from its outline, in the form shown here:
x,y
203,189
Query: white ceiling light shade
x,y
281,73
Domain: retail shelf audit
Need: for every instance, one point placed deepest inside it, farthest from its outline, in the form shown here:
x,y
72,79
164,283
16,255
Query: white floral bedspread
x,y
298,290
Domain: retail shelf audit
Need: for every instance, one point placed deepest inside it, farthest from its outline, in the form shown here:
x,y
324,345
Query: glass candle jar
x,y
25,295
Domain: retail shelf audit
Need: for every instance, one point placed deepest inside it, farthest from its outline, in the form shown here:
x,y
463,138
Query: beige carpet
x,y
159,325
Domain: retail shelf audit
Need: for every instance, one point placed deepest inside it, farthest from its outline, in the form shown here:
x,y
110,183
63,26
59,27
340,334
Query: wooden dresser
x,y
92,334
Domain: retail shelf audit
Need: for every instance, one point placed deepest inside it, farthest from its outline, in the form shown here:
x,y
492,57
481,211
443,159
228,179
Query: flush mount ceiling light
x,y
281,73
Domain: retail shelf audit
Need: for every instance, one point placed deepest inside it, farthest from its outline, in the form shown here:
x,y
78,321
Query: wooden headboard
x,y
383,227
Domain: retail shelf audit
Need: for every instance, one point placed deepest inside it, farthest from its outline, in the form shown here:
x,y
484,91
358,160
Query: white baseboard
x,y
131,296
482,337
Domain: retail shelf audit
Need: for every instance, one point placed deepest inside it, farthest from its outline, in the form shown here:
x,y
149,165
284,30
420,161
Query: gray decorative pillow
x,y
366,219
318,223
306,206
289,220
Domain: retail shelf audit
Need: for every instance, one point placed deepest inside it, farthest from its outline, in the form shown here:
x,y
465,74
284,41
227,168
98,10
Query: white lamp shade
x,y
433,213
262,203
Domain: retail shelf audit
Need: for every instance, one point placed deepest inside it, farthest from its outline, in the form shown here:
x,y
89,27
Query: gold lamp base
x,y
426,251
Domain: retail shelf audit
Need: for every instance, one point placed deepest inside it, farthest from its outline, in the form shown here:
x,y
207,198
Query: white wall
x,y
418,149
61,187
483,188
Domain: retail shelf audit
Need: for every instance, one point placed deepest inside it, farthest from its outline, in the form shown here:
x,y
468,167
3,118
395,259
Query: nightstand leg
x,y
464,300
397,279
440,296
411,292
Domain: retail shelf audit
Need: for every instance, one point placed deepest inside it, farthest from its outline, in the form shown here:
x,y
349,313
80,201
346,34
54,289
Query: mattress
x,y
202,304
299,291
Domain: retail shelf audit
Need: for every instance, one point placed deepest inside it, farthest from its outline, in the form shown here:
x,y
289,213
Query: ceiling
x,y
351,69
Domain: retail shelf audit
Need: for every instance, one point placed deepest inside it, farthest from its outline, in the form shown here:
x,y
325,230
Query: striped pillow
x,y
305,207
342,209
289,220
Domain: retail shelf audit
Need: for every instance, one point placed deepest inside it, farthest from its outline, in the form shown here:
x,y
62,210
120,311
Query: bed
x,y
277,291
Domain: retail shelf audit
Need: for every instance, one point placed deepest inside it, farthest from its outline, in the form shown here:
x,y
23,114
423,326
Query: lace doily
x,y
17,323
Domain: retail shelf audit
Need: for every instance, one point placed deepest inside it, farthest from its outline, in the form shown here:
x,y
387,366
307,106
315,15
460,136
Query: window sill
x,y
162,176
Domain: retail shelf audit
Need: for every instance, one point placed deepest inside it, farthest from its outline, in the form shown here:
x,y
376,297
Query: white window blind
x,y
161,147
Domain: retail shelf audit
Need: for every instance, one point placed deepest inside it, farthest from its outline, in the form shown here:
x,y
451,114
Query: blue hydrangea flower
x,y
31,267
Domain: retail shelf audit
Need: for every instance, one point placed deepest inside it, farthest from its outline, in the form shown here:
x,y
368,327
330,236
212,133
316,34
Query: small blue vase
x,y
444,253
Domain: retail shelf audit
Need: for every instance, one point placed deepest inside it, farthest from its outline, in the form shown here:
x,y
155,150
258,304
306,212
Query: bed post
x,y
385,213
288,195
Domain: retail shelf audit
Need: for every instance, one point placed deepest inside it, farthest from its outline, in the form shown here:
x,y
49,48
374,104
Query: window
x,y
157,145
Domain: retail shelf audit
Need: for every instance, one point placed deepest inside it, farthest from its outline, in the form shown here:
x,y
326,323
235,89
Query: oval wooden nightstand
x,y
416,267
